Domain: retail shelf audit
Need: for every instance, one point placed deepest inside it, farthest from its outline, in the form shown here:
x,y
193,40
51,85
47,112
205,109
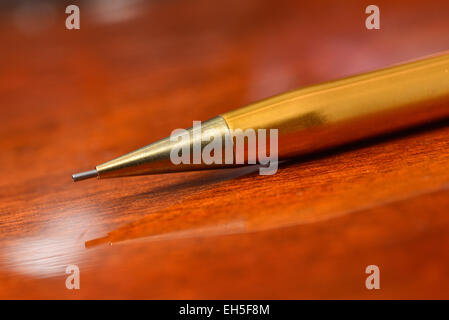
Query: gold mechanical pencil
x,y
313,118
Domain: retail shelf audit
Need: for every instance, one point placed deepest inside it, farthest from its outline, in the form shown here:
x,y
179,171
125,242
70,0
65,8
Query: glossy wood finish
x,y
71,99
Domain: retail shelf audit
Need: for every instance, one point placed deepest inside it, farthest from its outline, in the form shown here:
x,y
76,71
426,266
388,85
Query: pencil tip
x,y
84,175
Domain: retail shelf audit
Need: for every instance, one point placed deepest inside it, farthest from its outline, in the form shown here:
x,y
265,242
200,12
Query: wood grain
x,y
73,99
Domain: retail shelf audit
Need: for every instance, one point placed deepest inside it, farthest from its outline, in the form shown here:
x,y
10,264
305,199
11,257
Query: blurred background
x,y
135,70
196,56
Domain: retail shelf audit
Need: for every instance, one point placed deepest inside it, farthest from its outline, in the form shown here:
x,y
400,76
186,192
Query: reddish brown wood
x,y
72,99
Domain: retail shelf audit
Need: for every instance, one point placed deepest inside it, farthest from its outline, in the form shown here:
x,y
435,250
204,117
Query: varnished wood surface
x,y
73,99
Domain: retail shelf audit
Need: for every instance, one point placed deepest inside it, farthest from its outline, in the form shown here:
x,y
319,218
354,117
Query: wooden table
x,y
71,99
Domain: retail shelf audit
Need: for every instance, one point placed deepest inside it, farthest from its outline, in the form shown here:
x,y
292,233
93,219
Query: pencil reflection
x,y
147,228
183,221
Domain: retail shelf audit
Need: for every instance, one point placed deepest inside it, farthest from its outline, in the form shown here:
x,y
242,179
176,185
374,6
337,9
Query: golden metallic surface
x,y
317,117
345,110
155,158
